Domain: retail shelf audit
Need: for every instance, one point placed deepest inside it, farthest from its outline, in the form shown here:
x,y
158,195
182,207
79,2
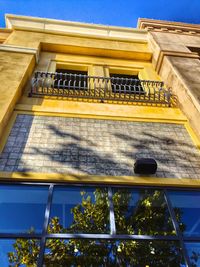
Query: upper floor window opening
x,y
71,79
195,50
124,83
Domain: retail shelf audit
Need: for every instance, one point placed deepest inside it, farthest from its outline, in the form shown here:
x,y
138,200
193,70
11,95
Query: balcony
x,y
102,89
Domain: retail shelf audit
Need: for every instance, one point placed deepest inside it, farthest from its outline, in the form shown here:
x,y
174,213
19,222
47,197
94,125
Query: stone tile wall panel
x,y
98,147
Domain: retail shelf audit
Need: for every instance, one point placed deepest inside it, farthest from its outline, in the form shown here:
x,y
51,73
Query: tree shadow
x,y
71,153
60,145
73,158
175,157
11,158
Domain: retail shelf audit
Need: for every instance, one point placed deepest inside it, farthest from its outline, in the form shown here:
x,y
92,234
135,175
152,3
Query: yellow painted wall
x,y
60,106
15,69
80,45
49,61
4,34
97,66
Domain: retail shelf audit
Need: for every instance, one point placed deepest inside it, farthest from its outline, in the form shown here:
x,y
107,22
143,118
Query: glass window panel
x,y
76,252
19,252
193,250
79,210
142,212
150,253
22,208
79,252
187,209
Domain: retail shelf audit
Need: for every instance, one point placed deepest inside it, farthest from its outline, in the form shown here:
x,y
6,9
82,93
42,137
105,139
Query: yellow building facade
x,y
80,104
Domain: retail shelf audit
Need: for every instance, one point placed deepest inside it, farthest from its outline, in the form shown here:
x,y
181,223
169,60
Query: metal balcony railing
x,y
99,88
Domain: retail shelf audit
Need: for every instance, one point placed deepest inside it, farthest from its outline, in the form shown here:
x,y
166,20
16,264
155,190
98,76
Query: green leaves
x,y
26,252
91,216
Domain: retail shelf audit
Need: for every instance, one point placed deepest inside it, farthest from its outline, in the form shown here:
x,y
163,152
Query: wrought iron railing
x,y
99,88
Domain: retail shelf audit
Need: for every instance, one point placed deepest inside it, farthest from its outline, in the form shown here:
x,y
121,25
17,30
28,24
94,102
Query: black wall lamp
x,y
145,166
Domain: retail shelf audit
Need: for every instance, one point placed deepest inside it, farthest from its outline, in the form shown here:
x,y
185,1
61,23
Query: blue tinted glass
x,y
79,209
19,252
187,209
22,208
193,250
142,212
77,252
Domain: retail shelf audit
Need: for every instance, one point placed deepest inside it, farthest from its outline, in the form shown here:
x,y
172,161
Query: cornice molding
x,y
168,26
4,34
164,53
5,30
20,49
75,28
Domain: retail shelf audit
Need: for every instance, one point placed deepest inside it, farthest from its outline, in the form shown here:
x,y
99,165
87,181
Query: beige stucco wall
x,y
180,69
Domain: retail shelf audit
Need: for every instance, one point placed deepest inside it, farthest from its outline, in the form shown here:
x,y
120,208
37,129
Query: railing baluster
x,y
149,90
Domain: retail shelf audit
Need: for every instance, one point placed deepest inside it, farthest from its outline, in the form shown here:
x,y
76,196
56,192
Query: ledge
x,y
74,28
88,179
20,49
100,110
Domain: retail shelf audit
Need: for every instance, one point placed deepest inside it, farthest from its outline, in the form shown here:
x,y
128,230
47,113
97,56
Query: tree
x,y
148,216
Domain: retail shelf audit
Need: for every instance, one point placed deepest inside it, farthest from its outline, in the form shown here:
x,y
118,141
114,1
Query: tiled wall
x,y
99,147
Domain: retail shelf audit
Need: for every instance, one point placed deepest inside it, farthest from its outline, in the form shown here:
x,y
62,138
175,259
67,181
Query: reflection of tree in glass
x,y
150,253
91,216
26,252
194,258
148,215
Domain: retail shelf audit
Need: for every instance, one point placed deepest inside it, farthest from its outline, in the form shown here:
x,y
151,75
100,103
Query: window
x,y
71,79
195,49
17,204
122,83
50,225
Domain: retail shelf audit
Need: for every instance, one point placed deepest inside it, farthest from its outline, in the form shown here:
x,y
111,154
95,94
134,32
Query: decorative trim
x,y
143,117
5,30
99,179
193,136
164,53
168,26
4,34
75,28
20,49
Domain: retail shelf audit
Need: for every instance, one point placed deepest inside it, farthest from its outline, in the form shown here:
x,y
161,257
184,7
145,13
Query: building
x,y
79,105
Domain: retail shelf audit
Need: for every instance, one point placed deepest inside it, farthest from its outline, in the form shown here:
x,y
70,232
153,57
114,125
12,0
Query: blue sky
x,y
109,12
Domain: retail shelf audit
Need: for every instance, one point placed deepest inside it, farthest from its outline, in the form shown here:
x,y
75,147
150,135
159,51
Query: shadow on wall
x,y
11,157
97,147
